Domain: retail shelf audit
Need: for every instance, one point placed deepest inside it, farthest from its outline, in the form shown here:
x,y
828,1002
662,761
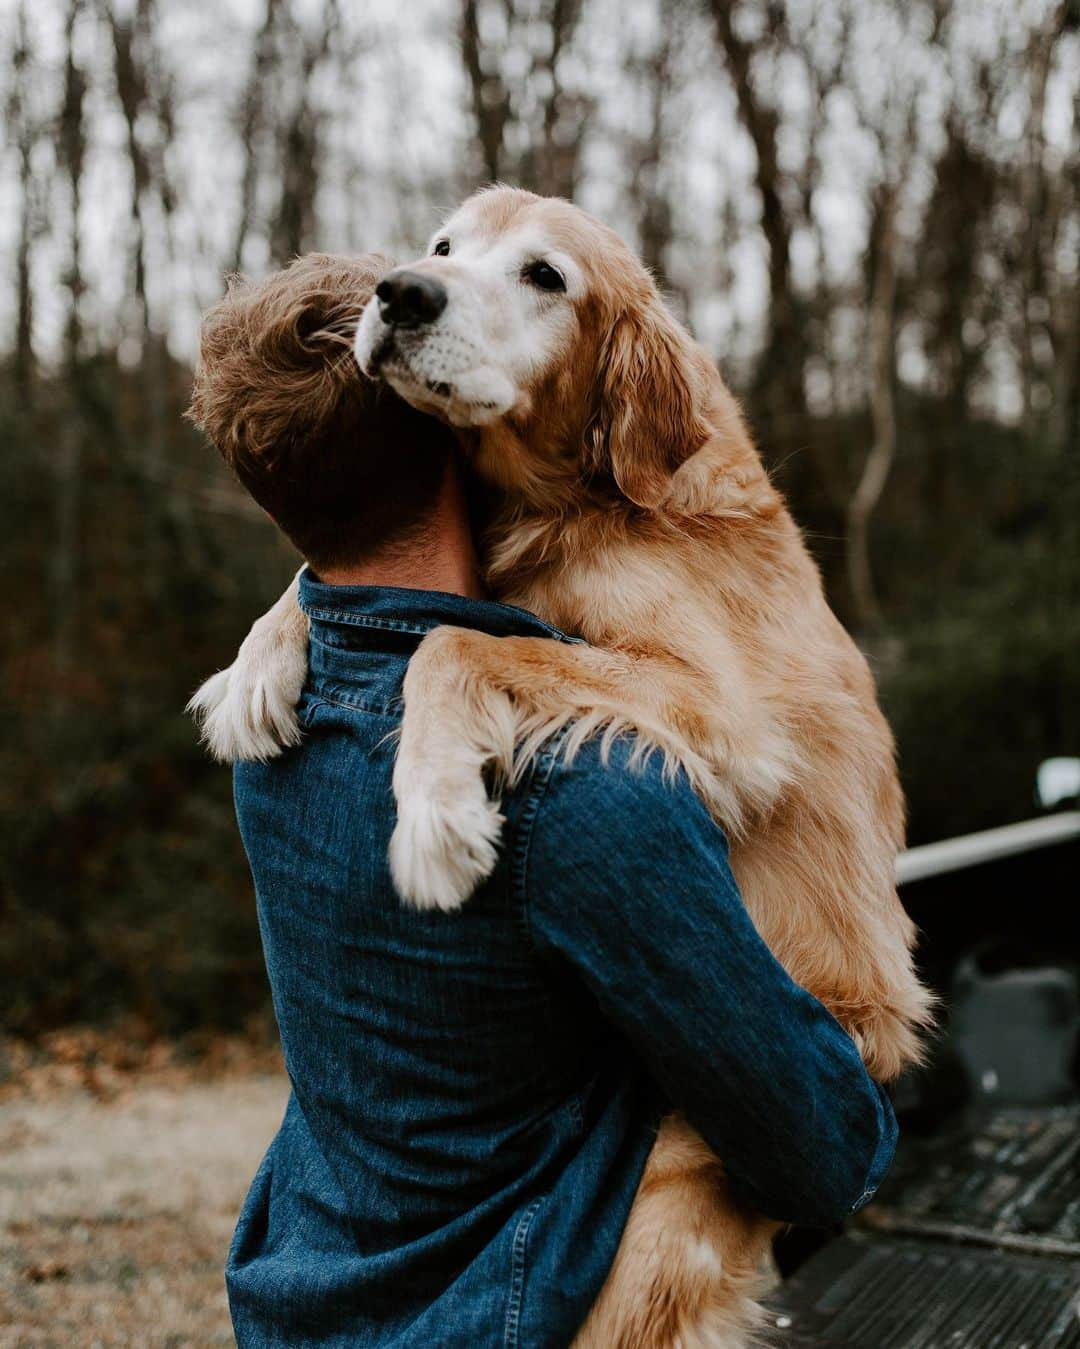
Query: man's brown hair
x,y
341,463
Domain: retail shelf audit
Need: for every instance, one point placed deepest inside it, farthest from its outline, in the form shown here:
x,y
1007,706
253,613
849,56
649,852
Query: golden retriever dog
x,y
633,511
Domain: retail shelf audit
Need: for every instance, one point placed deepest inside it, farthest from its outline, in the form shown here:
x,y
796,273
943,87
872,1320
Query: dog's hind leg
x,y
688,1266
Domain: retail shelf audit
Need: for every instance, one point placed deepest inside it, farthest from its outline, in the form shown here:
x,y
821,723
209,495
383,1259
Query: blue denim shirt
x,y
474,1095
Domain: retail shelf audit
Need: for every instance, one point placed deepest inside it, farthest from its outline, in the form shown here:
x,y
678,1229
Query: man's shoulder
x,y
616,792
617,849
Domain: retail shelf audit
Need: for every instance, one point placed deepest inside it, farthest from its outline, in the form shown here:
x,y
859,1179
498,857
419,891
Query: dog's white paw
x,y
444,844
249,710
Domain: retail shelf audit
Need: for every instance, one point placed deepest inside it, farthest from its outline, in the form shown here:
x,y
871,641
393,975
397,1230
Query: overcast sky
x,y
397,147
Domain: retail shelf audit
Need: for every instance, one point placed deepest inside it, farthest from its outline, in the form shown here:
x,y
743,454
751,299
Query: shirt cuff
x,y
888,1131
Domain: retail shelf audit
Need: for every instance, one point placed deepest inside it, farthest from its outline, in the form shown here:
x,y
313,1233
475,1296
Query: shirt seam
x,y
326,614
338,696
517,1275
530,809
883,1156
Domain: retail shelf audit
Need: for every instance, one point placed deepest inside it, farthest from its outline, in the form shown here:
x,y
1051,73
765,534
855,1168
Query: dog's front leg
x,y
248,710
476,702
455,725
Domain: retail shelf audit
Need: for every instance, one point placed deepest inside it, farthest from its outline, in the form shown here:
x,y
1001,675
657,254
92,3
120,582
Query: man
x,y
475,1095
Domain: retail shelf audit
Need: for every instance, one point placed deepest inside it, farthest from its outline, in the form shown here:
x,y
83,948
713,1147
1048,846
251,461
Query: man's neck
x,y
440,556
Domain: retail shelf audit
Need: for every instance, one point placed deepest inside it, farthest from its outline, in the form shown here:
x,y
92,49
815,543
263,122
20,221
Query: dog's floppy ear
x,y
649,420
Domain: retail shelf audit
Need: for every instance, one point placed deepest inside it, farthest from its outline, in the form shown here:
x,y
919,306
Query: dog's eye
x,y
441,249
544,276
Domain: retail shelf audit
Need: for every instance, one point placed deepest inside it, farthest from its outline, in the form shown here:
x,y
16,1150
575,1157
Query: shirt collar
x,y
396,609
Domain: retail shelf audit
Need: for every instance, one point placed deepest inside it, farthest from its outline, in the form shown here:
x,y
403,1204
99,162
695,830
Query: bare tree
x,y
879,460
71,152
490,97
548,121
778,379
252,119
647,191
1033,194
891,115
552,159
132,93
24,133
1064,301
142,89
299,153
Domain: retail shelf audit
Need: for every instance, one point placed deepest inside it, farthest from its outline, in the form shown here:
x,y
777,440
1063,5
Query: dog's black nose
x,y
410,299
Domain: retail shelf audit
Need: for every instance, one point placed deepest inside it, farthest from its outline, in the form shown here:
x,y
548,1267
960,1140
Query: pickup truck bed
x,y
974,1243
974,1239
866,1291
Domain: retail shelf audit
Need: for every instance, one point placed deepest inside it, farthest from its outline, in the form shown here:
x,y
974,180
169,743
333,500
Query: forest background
x,y
869,210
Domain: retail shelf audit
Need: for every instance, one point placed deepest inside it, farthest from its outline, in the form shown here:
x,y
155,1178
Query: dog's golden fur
x,y
636,513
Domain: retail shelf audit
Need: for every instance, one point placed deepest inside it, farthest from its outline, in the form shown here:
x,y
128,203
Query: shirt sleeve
x,y
627,878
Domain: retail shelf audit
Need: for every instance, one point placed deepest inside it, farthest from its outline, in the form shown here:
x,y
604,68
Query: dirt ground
x,y
118,1195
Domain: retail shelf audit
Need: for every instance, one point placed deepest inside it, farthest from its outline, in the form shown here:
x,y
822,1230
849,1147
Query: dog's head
x,y
529,314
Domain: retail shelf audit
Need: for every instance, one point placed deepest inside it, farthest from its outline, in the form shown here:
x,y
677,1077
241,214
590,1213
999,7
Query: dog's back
x,y
782,701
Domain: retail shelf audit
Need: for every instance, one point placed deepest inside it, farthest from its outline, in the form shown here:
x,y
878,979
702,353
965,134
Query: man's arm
x,y
627,877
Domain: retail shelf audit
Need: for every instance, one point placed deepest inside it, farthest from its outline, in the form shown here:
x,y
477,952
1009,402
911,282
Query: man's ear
x,y
649,421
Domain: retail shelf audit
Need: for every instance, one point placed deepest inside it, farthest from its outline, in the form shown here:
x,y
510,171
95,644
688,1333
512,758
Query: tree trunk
x,y
559,151
778,380
1032,195
64,579
653,207
132,89
488,95
299,162
23,134
871,484
251,124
